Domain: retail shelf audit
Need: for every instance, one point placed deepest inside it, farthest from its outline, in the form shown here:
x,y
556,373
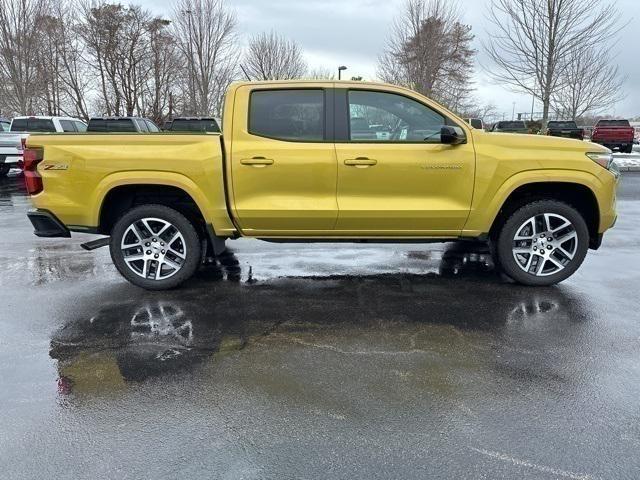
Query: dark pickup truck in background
x,y
614,134
566,129
510,126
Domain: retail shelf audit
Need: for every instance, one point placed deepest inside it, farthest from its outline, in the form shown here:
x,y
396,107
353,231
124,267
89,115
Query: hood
x,y
516,140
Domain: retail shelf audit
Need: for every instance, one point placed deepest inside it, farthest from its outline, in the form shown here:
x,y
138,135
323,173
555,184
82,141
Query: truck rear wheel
x,y
542,243
155,247
4,170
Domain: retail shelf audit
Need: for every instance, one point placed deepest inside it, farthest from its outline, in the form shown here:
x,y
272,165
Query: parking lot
x,y
318,361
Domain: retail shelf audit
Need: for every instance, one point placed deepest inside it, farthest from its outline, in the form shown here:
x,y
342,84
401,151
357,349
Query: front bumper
x,y
46,224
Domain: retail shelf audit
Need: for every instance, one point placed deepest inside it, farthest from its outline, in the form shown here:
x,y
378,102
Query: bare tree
x,y
590,83
321,73
19,46
206,34
165,67
75,75
534,40
430,51
483,112
101,29
273,57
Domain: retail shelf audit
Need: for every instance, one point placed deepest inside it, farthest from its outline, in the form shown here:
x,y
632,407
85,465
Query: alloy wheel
x,y
153,248
545,244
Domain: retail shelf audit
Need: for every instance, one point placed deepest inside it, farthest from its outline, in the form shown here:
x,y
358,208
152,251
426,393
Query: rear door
x,y
283,160
395,177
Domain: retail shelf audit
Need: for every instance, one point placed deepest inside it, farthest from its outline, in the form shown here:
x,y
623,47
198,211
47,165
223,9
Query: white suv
x,y
11,141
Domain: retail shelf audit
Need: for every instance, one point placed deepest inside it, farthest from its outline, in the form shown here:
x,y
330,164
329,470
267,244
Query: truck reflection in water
x,y
464,308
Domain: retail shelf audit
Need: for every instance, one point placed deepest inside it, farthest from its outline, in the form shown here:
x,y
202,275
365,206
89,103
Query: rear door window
x,y
80,126
295,115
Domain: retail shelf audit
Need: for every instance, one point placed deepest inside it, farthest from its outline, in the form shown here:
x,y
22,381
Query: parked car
x,y
195,124
614,134
287,168
5,124
121,125
510,126
476,123
21,127
564,128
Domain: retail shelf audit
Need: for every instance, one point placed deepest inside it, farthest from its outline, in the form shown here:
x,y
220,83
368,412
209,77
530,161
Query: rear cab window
x,y
556,124
194,125
613,123
36,125
515,124
111,125
288,114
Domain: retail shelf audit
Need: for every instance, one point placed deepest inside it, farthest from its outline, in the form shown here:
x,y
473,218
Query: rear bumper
x,y
46,224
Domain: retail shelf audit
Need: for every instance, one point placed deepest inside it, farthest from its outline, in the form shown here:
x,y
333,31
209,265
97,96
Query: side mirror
x,y
452,135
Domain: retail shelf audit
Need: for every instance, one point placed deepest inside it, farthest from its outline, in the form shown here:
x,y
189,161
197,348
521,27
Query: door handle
x,y
257,161
360,162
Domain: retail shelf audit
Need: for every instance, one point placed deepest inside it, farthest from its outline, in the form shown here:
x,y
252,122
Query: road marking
x,y
540,468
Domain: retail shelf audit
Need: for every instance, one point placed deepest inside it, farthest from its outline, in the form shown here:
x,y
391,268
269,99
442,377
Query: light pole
x,y
340,69
513,114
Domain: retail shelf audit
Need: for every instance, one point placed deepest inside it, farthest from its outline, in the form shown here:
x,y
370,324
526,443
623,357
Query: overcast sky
x,y
353,33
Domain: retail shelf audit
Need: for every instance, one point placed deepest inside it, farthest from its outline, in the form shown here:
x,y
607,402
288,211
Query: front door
x,y
283,162
394,175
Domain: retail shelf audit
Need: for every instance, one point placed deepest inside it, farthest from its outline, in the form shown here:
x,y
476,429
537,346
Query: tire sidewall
x,y
187,229
508,231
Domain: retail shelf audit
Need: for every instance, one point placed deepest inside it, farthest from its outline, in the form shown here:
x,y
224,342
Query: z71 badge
x,y
56,166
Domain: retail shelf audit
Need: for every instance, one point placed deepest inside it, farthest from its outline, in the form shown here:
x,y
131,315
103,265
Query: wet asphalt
x,y
318,361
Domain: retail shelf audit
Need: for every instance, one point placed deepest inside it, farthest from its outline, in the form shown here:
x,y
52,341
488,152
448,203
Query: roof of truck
x,y
44,117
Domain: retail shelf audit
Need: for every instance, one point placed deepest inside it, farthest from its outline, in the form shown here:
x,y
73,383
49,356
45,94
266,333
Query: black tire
x,y
4,170
505,242
629,149
192,246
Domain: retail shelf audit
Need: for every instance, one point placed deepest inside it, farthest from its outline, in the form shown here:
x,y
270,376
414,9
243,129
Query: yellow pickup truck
x,y
323,161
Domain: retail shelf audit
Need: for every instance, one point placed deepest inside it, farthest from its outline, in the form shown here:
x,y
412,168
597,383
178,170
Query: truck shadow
x,y
131,339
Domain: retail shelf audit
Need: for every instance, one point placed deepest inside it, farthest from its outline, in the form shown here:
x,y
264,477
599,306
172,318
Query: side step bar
x,y
93,244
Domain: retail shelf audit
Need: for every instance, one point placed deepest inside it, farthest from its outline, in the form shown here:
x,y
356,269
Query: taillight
x,y
31,157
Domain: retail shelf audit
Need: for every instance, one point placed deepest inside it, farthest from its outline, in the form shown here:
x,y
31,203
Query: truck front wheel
x,y
155,247
542,243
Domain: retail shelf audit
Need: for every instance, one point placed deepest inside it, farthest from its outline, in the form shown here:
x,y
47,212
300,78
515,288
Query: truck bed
x,y
79,169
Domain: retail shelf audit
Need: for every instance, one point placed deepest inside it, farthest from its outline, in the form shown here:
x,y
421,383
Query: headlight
x,y
603,159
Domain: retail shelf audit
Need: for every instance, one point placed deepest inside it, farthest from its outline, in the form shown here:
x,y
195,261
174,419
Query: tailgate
x,y
614,134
